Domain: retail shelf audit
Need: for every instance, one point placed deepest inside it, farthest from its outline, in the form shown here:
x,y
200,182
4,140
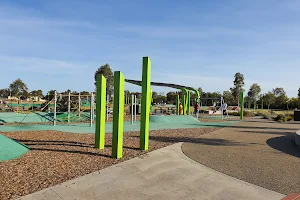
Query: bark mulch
x,y
56,157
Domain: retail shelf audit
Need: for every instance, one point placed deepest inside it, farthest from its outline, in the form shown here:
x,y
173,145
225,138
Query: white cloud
x,y
39,65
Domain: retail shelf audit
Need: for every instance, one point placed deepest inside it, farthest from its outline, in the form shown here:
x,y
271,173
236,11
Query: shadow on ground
x,y
205,141
33,143
269,132
285,144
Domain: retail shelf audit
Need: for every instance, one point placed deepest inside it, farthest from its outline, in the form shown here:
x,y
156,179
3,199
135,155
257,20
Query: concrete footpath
x,y
162,174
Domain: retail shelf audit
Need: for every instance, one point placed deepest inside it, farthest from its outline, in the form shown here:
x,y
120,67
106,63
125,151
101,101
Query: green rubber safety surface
x,y
10,149
158,122
13,117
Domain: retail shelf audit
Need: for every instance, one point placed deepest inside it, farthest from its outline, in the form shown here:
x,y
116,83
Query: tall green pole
x,y
254,107
183,105
177,105
185,101
118,117
262,104
145,104
188,102
100,111
242,105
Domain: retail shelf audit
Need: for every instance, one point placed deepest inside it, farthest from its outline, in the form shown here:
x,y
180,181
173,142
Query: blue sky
x,y
59,44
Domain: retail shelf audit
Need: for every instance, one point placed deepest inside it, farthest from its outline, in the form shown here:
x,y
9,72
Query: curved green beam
x,y
175,86
185,89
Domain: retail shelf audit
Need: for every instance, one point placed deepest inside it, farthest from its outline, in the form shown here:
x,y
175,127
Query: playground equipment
x,y
118,107
74,104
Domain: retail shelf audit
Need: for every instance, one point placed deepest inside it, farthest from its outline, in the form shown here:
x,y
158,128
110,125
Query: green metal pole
x,y
183,105
185,101
188,102
242,105
131,107
145,104
118,116
254,107
177,105
100,111
262,104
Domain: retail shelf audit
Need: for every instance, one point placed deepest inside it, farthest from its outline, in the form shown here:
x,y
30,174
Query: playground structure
x,y
118,107
67,104
58,108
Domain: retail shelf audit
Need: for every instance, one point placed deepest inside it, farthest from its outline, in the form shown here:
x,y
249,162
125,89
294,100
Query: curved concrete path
x,y
257,151
162,174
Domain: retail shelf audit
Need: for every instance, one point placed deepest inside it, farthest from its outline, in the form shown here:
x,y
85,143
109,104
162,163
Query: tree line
x,y
274,99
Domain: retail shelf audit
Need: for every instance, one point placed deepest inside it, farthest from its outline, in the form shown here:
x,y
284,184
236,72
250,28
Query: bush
x,y
283,118
266,116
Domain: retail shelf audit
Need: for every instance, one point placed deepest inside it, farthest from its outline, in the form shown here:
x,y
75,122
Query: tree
x,y
238,85
36,93
200,90
278,92
269,98
106,71
299,93
19,89
127,93
85,93
4,93
228,97
171,97
154,96
253,92
281,100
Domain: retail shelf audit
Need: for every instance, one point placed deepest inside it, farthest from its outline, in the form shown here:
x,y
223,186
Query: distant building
x,y
12,98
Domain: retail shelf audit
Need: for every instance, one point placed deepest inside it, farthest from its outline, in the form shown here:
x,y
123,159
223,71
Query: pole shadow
x,y
285,144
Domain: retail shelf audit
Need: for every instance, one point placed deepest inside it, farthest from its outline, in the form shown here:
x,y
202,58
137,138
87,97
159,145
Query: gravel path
x,y
258,151
56,157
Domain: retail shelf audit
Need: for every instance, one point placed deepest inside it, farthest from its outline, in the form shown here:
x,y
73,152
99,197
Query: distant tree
x,y
281,100
200,90
4,93
19,89
154,97
85,93
238,85
294,103
127,93
253,92
278,92
299,93
36,93
228,98
171,97
269,99
106,71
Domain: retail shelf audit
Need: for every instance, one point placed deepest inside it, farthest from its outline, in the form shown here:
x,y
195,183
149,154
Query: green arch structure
x,y
185,89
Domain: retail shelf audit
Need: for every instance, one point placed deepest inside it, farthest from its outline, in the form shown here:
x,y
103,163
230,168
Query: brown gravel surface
x,y
56,157
257,151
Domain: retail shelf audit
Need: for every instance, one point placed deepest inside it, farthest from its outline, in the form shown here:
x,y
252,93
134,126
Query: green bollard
x,y
177,105
145,104
100,112
118,116
188,102
242,105
183,105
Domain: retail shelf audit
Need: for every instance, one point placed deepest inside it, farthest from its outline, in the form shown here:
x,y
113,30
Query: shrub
x,y
283,118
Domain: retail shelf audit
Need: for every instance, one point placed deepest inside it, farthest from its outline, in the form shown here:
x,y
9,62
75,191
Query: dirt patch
x,y
56,157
